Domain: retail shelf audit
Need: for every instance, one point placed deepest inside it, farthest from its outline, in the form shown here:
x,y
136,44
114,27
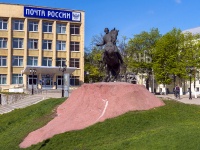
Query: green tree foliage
x,y
93,66
142,45
122,47
140,52
165,56
190,54
174,52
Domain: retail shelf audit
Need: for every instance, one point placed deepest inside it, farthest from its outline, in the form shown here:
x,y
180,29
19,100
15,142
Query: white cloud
x,y
178,1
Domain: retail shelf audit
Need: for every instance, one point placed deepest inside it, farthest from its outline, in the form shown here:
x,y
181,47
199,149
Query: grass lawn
x,y
14,126
173,126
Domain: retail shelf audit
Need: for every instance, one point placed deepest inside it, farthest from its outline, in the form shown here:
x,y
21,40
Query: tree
x,y
122,47
140,52
173,54
92,66
190,54
166,56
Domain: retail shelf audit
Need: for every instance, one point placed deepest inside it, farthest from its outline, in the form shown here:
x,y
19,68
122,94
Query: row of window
x,y
18,24
18,79
33,61
33,44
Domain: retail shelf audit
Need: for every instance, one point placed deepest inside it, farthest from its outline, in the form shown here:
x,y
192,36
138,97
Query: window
x,y
74,29
74,46
3,24
47,44
60,62
61,28
46,61
17,60
33,44
74,62
47,27
33,26
61,45
17,43
18,25
3,42
17,79
2,78
74,80
32,61
2,60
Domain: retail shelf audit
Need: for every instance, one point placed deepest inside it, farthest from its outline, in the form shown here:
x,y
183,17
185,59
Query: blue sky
x,y
130,17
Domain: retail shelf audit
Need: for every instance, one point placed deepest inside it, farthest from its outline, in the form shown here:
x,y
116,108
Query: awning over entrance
x,y
47,70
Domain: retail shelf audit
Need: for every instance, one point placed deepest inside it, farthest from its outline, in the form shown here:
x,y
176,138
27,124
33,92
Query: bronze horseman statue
x,y
111,56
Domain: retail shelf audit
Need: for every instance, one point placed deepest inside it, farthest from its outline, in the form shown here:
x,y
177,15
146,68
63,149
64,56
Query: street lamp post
x,y
86,73
190,95
32,71
63,69
190,75
153,81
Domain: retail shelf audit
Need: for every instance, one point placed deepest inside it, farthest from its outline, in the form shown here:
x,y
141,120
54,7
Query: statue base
x,y
92,103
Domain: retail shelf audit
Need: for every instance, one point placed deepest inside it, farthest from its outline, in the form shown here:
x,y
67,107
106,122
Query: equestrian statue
x,y
111,57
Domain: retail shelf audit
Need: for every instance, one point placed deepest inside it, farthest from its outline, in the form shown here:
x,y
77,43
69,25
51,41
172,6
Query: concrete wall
x,y
11,98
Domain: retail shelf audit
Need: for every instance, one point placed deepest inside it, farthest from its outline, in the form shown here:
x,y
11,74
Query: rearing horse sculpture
x,y
111,56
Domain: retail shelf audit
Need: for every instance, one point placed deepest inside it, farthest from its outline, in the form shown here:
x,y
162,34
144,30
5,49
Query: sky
x,y
130,17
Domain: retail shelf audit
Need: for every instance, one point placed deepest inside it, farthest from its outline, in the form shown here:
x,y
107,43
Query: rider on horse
x,y
111,56
110,44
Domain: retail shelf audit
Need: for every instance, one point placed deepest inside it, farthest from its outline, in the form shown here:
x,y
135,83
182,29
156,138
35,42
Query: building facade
x,y
40,36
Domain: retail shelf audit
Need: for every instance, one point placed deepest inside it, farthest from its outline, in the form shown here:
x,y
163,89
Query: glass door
x,y
47,81
59,82
32,79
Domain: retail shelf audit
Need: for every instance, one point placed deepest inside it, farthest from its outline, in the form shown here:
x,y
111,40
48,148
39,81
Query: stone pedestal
x,y
92,103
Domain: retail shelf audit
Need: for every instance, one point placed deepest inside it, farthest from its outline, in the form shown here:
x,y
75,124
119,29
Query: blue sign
x,y
35,12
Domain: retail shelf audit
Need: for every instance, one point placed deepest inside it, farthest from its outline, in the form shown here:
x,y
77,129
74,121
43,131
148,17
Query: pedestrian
x,y
177,91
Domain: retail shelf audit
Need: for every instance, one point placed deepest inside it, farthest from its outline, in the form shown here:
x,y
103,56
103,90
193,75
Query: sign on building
x,y
35,12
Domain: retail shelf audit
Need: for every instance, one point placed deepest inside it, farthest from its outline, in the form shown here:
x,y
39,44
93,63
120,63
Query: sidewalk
x,y
183,98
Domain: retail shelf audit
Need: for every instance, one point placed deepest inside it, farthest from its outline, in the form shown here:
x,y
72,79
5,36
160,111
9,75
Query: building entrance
x,y
32,81
59,82
47,81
